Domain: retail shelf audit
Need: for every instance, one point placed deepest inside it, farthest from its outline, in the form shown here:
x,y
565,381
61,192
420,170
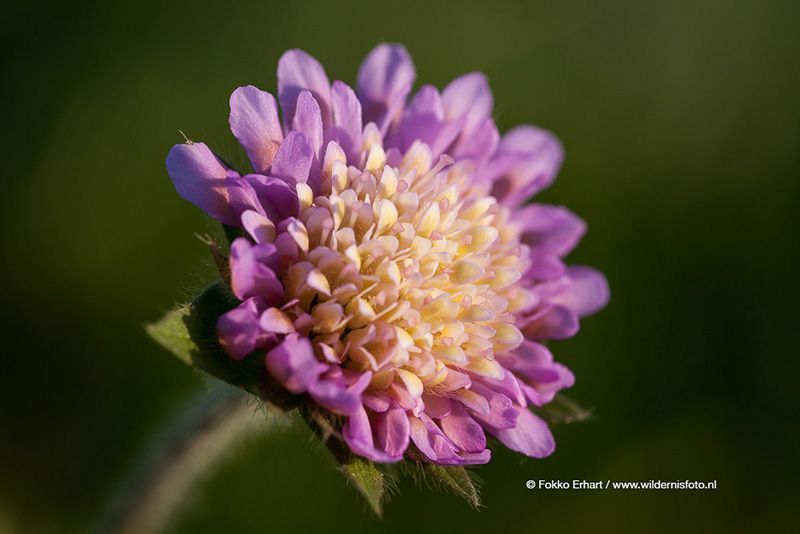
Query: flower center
x,y
406,269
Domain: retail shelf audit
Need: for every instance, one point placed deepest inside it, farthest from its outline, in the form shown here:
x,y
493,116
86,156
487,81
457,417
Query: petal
x,y
277,198
254,122
552,322
293,160
463,430
200,178
260,227
338,397
508,386
533,364
292,363
357,433
347,124
468,96
549,229
384,81
251,274
377,402
431,441
275,321
298,71
243,197
532,158
308,121
587,292
434,445
543,266
502,412
437,407
530,436
423,120
238,330
392,431
480,144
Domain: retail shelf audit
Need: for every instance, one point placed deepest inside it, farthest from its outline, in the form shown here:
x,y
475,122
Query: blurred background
x,y
681,123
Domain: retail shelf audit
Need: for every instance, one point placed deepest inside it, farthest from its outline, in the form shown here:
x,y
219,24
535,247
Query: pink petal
x,y
298,71
384,81
200,178
252,272
357,433
254,122
392,431
347,124
587,293
530,436
468,96
293,160
549,229
292,363
308,121
463,430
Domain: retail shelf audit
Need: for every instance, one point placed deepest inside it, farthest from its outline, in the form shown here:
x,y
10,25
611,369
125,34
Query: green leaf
x,y
457,480
189,333
562,410
367,479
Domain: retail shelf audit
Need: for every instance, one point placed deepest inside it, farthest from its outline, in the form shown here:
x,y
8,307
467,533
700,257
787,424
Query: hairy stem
x,y
193,441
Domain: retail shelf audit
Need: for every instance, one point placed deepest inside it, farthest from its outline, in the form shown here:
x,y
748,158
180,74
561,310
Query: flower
x,y
388,270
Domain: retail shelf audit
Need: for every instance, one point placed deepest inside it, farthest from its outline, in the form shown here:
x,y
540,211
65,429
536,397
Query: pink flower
x,y
390,272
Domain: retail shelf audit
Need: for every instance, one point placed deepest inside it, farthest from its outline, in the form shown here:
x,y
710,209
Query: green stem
x,y
194,441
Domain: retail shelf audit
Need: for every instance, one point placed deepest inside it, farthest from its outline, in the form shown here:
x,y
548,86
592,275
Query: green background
x,y
681,123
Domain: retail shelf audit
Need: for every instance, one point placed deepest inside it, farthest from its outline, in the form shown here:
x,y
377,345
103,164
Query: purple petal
x,y
257,225
468,96
480,144
544,266
533,364
254,122
298,71
531,158
252,271
549,229
384,81
435,406
200,178
423,120
552,322
479,458
293,160
463,430
530,436
308,121
540,391
339,398
277,198
508,386
239,331
243,197
431,441
392,431
587,292
502,411
292,363
377,402
433,444
347,124
357,433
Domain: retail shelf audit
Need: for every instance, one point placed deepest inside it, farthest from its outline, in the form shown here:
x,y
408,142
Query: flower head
x,y
389,270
